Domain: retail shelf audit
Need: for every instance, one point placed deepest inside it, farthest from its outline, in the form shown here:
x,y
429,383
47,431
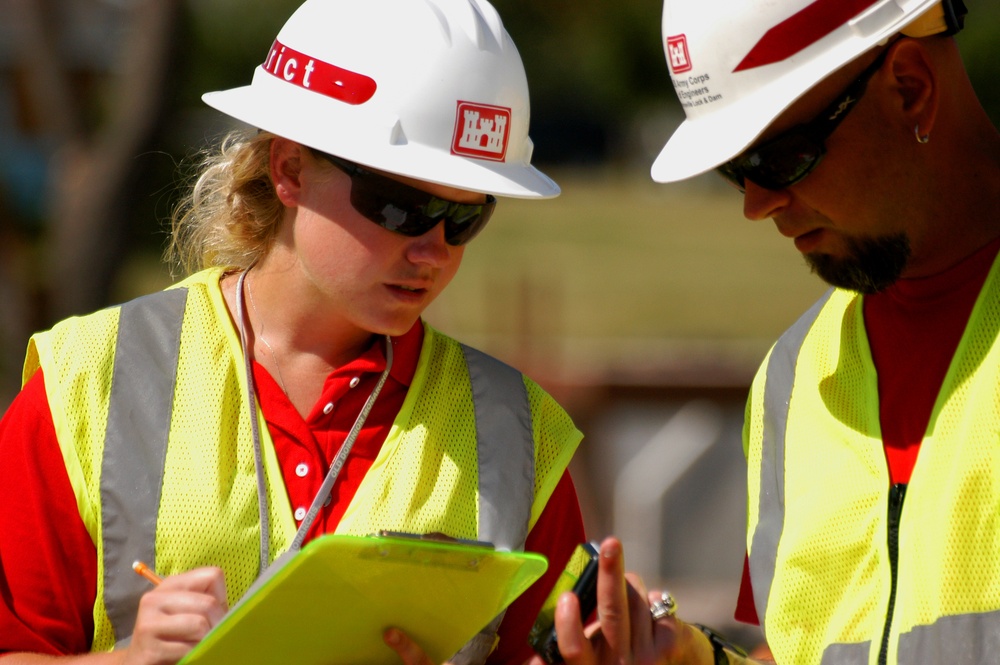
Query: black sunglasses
x,y
412,212
789,157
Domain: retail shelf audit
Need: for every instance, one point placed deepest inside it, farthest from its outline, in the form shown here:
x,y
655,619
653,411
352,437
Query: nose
x,y
760,203
431,248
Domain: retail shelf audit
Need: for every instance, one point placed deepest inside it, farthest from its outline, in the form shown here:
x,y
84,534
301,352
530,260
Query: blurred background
x,y
643,308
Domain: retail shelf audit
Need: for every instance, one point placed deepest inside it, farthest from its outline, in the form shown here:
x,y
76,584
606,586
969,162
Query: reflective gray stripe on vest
x,y
506,448
963,639
771,507
135,445
847,654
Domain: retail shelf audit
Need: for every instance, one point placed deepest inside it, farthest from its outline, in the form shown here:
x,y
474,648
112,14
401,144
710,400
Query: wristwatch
x,y
720,645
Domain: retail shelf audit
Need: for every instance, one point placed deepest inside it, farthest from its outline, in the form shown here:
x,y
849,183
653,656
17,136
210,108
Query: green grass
x,y
621,276
617,280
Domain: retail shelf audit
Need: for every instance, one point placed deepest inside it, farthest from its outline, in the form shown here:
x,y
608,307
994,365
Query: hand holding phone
x,y
580,577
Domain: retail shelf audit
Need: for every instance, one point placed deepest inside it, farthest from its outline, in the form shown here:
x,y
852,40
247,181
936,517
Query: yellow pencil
x,y
142,569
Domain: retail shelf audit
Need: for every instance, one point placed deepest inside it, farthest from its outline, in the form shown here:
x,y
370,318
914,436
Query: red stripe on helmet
x,y
307,72
802,30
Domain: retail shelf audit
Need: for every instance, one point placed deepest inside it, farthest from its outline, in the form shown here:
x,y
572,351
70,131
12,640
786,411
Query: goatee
x,y
871,265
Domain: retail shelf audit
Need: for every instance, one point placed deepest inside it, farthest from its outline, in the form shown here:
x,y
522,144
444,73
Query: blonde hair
x,y
230,214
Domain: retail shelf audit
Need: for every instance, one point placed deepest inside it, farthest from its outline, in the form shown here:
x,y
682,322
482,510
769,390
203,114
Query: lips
x,y
808,241
408,291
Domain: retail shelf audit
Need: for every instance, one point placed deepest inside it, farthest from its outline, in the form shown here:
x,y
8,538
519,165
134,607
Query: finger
x,y
155,653
612,598
208,580
177,616
408,651
642,621
164,637
182,629
574,646
168,602
637,584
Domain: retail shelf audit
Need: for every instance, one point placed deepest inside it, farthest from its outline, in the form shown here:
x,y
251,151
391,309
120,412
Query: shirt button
x,y
300,514
301,470
328,408
328,501
354,382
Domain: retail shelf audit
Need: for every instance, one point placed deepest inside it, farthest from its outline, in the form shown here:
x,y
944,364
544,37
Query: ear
x,y
286,170
915,81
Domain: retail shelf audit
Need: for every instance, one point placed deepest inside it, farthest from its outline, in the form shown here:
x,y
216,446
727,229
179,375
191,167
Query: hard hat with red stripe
x,y
431,89
736,65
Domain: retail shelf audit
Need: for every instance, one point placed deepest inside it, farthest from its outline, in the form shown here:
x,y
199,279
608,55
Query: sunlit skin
x,y
881,183
333,279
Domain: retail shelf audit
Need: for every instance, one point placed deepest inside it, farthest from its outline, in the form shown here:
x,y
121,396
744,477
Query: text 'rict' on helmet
x,y
430,89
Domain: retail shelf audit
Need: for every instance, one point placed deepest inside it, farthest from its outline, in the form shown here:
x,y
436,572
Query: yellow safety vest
x,y
150,406
844,568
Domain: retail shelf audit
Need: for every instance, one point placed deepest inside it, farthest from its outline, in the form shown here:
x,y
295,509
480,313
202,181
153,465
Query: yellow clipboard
x,y
330,603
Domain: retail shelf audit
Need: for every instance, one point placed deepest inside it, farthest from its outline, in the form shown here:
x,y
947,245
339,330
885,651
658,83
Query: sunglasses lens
x,y
784,161
387,205
732,173
409,211
777,164
466,221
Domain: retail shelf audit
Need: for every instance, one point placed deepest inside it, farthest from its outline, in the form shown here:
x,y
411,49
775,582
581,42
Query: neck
x,y
289,335
297,321
960,198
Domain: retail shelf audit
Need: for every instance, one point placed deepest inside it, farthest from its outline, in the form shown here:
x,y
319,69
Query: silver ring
x,y
665,607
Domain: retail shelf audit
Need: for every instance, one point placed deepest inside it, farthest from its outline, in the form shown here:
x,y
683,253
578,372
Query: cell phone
x,y
580,577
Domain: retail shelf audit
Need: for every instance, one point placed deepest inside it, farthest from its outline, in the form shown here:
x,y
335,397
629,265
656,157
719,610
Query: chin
x,y
872,264
394,327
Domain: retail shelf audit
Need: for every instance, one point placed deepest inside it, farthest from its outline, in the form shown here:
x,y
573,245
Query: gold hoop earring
x,y
921,138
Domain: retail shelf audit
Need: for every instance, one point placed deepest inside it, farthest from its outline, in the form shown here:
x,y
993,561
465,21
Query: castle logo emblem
x,y
481,131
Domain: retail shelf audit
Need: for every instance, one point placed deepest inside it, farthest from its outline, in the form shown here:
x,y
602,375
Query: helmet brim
x,y
703,142
348,134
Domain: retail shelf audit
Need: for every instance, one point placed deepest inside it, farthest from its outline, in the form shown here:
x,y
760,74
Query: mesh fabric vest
x,y
424,479
819,493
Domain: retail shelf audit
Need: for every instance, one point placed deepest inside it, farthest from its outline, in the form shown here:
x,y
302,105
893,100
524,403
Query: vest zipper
x,y
896,494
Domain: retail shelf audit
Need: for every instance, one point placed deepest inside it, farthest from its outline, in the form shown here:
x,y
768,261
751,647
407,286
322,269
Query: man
x,y
872,427
289,387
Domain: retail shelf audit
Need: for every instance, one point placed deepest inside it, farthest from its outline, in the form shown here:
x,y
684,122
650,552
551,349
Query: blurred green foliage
x,y
600,90
595,68
979,42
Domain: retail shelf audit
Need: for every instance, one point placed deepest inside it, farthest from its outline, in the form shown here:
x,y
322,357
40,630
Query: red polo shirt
x,y
48,563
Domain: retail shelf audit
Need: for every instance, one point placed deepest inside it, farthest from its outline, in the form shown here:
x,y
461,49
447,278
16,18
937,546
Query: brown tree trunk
x,y
69,269
90,176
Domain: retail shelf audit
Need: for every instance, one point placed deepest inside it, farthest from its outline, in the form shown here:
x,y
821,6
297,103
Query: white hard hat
x,y
736,65
431,89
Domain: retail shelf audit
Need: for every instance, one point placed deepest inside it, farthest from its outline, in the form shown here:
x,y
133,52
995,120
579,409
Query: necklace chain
x,y
277,365
331,477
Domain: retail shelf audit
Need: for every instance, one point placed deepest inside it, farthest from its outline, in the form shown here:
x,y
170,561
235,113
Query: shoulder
x,y
83,343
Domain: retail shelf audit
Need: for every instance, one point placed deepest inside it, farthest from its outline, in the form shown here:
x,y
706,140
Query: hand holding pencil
x,y
175,614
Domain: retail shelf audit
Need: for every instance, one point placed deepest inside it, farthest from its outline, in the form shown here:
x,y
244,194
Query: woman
x,y
288,387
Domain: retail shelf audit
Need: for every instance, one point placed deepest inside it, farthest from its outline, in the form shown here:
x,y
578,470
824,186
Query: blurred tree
x,y
85,88
592,66
97,109
979,42
98,96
